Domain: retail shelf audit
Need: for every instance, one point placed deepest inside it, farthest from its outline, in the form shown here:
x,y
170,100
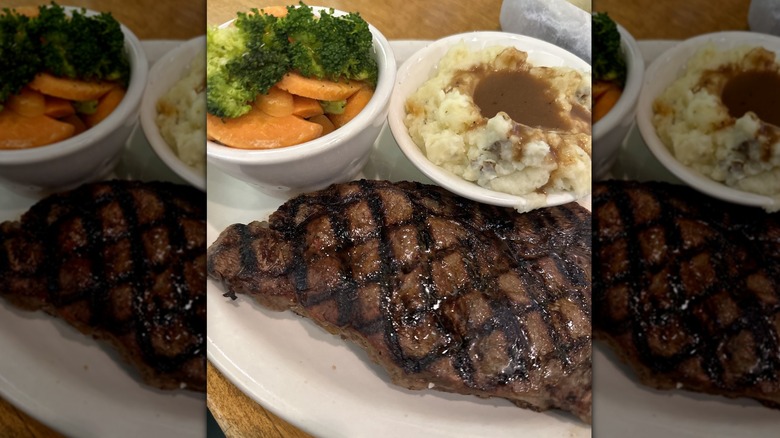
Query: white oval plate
x,y
322,384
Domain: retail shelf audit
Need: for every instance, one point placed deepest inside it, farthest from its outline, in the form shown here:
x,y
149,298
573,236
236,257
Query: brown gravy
x,y
754,90
525,98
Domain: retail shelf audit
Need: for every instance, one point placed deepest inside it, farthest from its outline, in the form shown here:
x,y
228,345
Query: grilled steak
x,y
438,289
687,289
124,262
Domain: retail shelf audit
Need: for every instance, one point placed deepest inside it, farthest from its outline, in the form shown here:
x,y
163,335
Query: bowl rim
x,y
148,112
626,104
139,69
387,73
445,178
671,63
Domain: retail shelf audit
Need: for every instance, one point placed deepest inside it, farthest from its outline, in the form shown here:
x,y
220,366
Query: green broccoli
x,y
243,60
608,61
79,46
18,52
249,57
330,47
76,46
333,106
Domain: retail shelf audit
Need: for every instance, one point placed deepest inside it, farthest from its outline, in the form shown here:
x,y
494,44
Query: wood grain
x,y
148,19
396,19
675,20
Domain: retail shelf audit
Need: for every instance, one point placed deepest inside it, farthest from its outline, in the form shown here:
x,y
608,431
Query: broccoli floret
x,y
80,46
608,61
85,106
18,52
330,47
243,60
333,106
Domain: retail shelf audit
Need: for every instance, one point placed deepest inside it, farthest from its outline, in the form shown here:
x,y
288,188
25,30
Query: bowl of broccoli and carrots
x,y
69,92
295,96
618,72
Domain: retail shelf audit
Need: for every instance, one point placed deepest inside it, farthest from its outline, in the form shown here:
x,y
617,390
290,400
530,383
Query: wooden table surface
x,y
148,19
675,20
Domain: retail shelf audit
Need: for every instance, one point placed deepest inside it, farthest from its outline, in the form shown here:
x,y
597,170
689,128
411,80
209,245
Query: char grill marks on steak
x,y
687,289
438,289
122,261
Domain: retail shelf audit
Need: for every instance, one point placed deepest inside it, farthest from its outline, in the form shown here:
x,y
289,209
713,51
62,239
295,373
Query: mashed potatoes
x,y
715,118
539,146
181,116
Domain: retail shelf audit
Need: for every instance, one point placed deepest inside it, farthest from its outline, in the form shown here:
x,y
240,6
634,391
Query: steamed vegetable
x,y
264,47
330,47
608,61
75,46
609,66
243,60
62,72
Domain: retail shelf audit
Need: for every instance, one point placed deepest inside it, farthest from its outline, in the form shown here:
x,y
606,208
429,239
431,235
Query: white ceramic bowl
x,y
659,75
610,130
421,66
336,157
163,75
88,156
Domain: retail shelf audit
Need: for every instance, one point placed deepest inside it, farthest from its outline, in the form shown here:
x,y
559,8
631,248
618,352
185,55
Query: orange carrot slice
x,y
277,102
319,89
77,123
327,125
27,102
306,107
18,132
276,11
58,108
258,130
105,106
71,89
605,103
355,104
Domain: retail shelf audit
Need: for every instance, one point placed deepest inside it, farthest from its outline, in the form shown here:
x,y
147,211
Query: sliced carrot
x,y
18,132
276,102
327,125
77,123
105,106
258,130
355,104
276,11
306,107
605,103
600,87
27,102
71,89
58,108
319,89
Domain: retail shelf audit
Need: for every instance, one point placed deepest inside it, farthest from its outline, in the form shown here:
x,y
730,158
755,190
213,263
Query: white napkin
x,y
764,16
556,21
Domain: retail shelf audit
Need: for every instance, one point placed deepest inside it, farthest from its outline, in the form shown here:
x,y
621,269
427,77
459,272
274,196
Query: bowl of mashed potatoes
x,y
173,111
496,117
709,111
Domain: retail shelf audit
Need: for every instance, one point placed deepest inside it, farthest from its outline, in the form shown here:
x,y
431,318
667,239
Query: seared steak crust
x,y
123,261
687,289
438,289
